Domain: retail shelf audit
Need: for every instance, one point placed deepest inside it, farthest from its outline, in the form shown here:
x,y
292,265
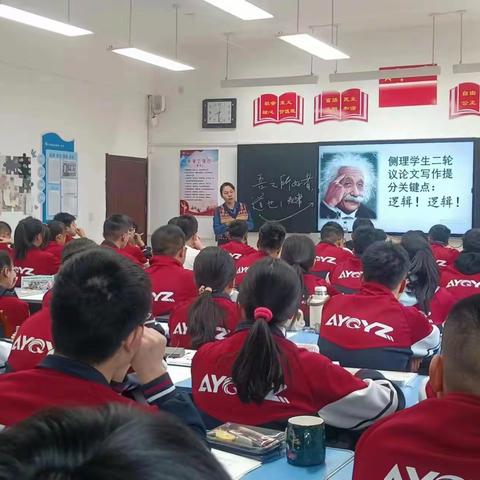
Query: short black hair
x,y
332,232
362,222
55,228
99,298
111,442
439,233
460,340
5,228
386,263
362,238
115,226
77,245
271,236
188,224
237,229
167,240
471,240
226,184
66,218
380,235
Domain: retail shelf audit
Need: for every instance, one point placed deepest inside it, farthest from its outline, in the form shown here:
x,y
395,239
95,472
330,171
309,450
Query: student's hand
x,y
335,192
5,240
81,232
120,374
148,361
137,238
197,243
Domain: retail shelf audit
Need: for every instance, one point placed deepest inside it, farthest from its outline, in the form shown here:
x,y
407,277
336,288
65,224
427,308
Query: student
x,y
111,442
212,315
70,222
422,289
28,258
33,340
117,230
57,236
237,246
171,283
256,376
14,309
299,252
346,277
438,236
360,222
462,279
372,329
329,252
270,240
193,244
136,246
6,237
99,306
438,438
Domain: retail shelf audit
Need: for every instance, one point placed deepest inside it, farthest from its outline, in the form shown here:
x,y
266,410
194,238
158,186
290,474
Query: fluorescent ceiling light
x,y
153,59
270,81
385,74
466,68
314,46
241,8
38,21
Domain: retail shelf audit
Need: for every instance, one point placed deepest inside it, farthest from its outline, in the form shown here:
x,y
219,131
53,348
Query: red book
x,y
270,108
351,104
407,92
464,100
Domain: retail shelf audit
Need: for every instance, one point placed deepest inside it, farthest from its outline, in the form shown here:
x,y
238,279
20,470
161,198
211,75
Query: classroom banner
x,y
198,182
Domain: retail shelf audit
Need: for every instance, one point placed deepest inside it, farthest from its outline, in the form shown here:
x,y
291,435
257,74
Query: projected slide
x,y
400,186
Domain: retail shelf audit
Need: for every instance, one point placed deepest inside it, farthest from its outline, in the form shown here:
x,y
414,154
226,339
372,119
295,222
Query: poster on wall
x,y
464,100
16,184
271,108
198,182
352,104
60,176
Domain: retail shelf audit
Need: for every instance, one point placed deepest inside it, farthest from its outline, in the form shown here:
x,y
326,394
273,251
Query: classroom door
x,y
127,188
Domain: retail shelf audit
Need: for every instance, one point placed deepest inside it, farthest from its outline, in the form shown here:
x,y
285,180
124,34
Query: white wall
x,y
180,125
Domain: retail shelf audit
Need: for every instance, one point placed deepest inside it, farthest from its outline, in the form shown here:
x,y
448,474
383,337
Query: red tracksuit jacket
x,y
36,262
16,310
237,249
245,263
459,284
55,249
440,306
178,323
121,251
444,255
346,277
171,284
327,257
372,329
7,247
136,252
434,440
313,384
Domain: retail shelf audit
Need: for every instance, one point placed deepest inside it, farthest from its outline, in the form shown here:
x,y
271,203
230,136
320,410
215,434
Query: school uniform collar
x,y
109,244
245,325
164,261
372,288
74,368
7,292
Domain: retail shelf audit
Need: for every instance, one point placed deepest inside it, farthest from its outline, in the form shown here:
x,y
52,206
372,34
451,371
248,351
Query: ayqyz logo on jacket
x,y
411,473
463,283
163,297
353,323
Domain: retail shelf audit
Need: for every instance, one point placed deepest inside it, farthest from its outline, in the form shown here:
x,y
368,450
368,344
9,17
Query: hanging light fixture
x,y
241,9
461,67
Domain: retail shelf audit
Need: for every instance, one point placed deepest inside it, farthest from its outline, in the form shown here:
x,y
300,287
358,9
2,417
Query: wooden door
x,y
127,188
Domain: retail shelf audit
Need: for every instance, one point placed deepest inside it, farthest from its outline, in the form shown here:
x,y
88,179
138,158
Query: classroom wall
x,y
180,126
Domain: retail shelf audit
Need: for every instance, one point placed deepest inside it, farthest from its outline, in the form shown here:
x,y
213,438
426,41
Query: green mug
x,y
306,441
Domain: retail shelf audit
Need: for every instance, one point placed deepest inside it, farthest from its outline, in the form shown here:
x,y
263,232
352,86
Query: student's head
x,y
423,274
270,238
69,221
169,240
117,229
5,232
238,231
332,232
269,296
188,224
471,241
99,305
380,235
112,442
76,246
8,277
362,222
28,234
440,234
227,191
362,238
214,272
57,232
385,263
457,368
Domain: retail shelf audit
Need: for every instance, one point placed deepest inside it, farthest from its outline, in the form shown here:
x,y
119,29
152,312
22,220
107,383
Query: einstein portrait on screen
x,y
348,185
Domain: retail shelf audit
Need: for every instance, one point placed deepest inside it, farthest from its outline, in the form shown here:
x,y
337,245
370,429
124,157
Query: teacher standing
x,y
228,212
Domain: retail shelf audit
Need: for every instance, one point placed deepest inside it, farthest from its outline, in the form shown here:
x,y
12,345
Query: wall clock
x,y
219,113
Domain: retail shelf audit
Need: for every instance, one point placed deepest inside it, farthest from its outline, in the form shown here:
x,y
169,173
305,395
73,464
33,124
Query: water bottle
x,y
316,303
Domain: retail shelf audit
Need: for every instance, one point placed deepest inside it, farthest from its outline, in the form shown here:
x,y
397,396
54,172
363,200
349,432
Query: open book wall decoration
x,y
271,108
351,104
464,100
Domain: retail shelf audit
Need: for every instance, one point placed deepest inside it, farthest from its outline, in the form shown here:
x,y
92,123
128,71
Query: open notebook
x,y
235,465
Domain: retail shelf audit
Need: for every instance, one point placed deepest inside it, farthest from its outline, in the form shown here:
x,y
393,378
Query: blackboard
x,y
279,182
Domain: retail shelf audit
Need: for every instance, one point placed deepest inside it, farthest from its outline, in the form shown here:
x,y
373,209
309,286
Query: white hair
x,y
352,160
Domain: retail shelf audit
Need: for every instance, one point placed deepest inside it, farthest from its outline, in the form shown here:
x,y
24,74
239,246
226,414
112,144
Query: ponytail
x,y
258,367
424,278
25,233
301,272
5,261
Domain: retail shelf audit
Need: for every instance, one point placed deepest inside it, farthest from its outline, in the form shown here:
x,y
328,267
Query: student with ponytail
x,y
212,315
423,279
256,376
29,259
